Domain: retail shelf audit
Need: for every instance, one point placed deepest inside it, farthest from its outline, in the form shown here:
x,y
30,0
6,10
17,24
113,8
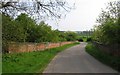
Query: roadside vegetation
x,y
105,58
106,34
85,39
22,22
108,29
32,62
25,29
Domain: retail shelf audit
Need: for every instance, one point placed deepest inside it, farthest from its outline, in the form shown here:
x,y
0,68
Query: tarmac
x,y
76,60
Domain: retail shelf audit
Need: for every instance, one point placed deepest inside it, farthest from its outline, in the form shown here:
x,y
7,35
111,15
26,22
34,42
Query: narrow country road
x,y
76,60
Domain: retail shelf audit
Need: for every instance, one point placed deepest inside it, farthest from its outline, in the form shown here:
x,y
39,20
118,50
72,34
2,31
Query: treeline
x,y
85,33
25,29
108,30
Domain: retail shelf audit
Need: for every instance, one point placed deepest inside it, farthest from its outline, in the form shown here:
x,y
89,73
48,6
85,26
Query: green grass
x,y
105,58
30,62
84,38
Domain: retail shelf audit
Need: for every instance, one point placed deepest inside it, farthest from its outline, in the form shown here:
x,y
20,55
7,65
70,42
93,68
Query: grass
x,y
105,58
84,38
30,62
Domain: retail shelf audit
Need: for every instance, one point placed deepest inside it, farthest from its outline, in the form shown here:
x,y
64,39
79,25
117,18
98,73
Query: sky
x,y
82,18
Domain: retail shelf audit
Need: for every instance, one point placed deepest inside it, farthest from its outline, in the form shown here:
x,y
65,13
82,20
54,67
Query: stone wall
x,y
29,47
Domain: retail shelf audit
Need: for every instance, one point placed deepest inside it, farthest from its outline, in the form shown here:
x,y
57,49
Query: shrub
x,y
80,40
89,39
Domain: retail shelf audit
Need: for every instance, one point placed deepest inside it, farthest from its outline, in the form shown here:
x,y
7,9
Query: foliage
x,y
62,36
109,25
107,33
89,39
27,24
36,8
25,29
31,62
80,40
11,31
105,58
85,33
71,36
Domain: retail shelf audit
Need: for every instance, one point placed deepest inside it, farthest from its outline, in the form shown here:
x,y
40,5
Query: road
x,y
76,60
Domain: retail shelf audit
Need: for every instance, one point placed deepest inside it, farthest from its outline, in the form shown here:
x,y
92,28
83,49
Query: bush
x,y
105,58
89,39
80,40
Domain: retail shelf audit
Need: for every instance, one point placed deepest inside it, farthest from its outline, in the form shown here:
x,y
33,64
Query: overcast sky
x,y
83,17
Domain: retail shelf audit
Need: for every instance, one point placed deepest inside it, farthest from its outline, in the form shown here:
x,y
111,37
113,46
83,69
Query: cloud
x,y
83,17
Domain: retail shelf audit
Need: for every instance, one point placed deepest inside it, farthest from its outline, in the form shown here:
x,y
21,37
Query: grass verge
x,y
30,62
105,58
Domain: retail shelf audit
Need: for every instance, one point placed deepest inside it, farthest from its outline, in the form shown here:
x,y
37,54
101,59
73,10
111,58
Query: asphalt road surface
x,y
76,60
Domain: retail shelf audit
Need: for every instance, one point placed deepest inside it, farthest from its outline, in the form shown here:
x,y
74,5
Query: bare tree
x,y
35,8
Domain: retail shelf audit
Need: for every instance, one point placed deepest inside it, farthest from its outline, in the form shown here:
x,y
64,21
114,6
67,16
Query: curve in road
x,y
76,60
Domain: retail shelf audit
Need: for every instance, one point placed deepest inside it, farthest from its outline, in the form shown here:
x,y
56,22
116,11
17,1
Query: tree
x,y
109,24
27,24
112,11
11,31
71,36
56,37
38,8
43,32
62,36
